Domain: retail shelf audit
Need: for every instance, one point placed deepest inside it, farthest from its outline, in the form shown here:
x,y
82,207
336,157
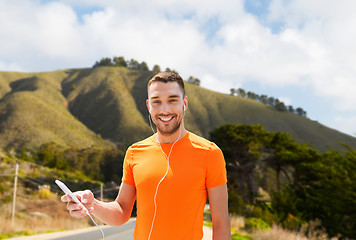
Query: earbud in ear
x,y
185,108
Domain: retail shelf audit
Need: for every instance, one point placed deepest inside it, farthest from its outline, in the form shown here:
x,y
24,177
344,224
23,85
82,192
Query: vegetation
x,y
194,80
95,163
120,61
38,206
270,101
308,186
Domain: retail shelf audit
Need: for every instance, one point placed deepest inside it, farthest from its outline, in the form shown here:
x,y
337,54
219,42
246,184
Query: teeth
x,y
166,119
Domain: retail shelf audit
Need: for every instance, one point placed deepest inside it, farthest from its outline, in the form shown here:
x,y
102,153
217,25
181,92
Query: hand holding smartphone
x,y
66,190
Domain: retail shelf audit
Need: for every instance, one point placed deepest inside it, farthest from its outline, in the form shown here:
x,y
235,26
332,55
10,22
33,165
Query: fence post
x,y
102,192
14,196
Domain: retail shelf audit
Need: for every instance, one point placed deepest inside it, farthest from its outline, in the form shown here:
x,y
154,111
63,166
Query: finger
x,y
72,206
87,197
91,210
66,198
78,213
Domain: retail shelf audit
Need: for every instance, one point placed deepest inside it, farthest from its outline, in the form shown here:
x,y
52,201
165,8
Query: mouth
x,y
166,119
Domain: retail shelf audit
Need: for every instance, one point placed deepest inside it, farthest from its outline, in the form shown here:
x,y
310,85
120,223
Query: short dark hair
x,y
167,77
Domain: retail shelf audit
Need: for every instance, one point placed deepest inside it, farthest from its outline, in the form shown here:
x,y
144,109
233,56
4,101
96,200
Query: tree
x,y
143,66
232,91
291,109
156,69
324,189
300,111
133,64
264,99
194,80
284,153
104,62
120,61
280,106
242,146
252,95
111,166
271,101
241,92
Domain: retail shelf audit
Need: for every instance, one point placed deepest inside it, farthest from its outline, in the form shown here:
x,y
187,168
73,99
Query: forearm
x,y
221,230
111,213
218,200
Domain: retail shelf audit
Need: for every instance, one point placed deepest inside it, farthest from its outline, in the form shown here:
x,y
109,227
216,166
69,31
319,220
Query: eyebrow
x,y
171,96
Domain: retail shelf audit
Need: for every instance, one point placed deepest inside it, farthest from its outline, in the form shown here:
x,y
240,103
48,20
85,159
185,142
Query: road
x,y
124,232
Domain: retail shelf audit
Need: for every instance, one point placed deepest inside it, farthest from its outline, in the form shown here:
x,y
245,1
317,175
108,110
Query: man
x,y
170,174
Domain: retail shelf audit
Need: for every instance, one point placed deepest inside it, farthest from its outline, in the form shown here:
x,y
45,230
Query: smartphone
x,y
66,190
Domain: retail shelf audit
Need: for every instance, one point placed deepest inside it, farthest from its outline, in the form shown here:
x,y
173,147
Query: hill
x,y
105,105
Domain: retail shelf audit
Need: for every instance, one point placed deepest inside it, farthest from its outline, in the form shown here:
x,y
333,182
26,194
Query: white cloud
x,y
58,31
33,35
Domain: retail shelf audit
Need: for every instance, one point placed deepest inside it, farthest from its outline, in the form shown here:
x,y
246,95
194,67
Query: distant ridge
x,y
103,106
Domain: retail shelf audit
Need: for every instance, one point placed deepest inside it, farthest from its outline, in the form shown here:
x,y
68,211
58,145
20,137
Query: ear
x,y
185,102
148,105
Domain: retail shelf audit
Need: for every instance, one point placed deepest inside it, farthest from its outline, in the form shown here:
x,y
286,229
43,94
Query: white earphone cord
x,y
154,199
167,157
101,230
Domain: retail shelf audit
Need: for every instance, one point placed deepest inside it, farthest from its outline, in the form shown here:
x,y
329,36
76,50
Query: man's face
x,y
166,105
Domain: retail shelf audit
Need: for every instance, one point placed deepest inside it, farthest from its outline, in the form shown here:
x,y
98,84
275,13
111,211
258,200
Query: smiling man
x,y
169,174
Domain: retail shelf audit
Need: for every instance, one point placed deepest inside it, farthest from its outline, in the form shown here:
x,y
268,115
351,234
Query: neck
x,y
178,135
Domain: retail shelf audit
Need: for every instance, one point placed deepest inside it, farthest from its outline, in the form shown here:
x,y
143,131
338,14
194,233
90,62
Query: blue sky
x,y
299,51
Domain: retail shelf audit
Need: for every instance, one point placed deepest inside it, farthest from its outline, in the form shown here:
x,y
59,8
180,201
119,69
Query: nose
x,y
165,109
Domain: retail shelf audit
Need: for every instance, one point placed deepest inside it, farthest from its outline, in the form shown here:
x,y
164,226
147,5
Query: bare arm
x,y
112,213
218,200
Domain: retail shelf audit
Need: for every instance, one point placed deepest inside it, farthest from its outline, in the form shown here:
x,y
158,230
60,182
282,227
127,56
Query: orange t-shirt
x,y
195,164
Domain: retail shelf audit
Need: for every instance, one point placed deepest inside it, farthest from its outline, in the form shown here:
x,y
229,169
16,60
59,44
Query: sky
x,y
300,51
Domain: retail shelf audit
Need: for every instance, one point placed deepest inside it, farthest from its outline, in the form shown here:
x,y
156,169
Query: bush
x,y
255,224
45,193
240,237
263,211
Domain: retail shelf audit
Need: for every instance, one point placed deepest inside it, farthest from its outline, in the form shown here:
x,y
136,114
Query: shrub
x,y
44,192
255,224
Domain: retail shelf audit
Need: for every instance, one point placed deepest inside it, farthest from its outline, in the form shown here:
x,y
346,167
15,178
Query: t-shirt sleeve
x,y
216,171
127,175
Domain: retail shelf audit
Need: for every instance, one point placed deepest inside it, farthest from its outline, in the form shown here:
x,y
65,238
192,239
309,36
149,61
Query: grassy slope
x,y
102,100
33,111
216,109
74,107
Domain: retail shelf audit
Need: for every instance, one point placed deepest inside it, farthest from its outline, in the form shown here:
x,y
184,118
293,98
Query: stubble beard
x,y
167,131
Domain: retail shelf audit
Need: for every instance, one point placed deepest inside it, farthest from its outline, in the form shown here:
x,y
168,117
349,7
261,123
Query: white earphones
x,y
167,157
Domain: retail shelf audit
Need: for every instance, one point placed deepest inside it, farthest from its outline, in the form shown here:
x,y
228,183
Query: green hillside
x,y
104,105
